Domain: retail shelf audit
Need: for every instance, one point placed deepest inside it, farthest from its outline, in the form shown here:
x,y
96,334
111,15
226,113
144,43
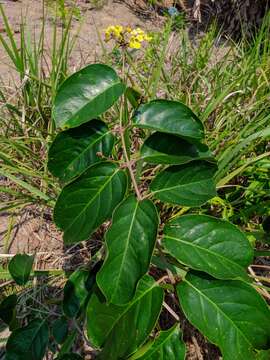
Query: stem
x,y
81,332
128,163
171,311
122,134
257,280
131,64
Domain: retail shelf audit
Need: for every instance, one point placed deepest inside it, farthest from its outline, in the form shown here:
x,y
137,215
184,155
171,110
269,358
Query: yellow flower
x,y
118,31
114,32
134,43
140,38
125,36
137,31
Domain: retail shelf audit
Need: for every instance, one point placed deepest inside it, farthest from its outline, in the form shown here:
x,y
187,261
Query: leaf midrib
x,y
24,271
171,132
87,148
126,246
171,333
181,185
92,199
36,332
215,254
89,101
219,310
154,285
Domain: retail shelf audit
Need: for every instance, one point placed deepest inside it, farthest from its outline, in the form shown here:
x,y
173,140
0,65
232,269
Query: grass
x,y
25,117
227,85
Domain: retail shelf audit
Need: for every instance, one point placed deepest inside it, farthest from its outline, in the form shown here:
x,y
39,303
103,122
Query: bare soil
x,y
92,18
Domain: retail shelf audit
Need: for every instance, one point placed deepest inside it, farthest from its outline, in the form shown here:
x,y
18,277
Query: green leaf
x,y
231,314
85,95
130,242
133,97
170,117
88,201
168,345
29,342
74,150
208,244
122,329
20,267
8,309
60,329
162,262
68,343
263,355
187,185
76,291
70,356
162,148
101,318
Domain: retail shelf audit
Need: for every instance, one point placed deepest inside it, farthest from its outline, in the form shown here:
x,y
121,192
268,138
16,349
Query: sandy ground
x,y
88,46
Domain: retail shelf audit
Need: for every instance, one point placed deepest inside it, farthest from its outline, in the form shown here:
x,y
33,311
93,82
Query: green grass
x,y
25,111
227,85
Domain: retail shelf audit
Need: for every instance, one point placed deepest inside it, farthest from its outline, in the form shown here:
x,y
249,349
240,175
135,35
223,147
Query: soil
x,y
91,18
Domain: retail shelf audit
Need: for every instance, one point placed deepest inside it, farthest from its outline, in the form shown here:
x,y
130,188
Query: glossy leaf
x,y
88,201
8,309
20,267
170,117
29,342
85,95
74,150
130,242
169,149
76,292
101,318
60,329
208,244
68,343
187,185
231,314
168,345
122,329
133,97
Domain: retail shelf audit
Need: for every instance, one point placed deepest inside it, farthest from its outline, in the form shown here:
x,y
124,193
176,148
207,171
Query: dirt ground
x,y
91,18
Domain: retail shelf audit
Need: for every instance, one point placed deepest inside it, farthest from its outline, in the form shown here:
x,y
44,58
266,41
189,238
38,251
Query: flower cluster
x,y
125,36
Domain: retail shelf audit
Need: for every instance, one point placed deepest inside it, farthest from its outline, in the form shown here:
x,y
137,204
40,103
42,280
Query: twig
x,y
171,311
261,266
122,134
262,291
197,348
129,166
165,277
83,335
